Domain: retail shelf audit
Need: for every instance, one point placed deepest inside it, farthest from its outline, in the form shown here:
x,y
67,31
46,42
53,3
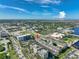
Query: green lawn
x,y
12,53
2,56
72,39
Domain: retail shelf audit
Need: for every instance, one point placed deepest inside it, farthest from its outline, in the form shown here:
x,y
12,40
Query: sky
x,y
39,9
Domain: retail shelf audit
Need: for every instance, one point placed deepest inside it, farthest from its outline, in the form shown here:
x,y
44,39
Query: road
x,y
16,45
74,35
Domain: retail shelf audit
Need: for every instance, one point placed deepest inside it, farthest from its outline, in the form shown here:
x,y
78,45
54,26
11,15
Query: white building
x,y
43,53
73,55
37,49
57,36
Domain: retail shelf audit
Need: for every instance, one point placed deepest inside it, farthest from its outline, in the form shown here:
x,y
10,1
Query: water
x,y
76,31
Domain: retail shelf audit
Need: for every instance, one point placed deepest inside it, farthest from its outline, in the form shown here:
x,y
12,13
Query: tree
x,y
1,48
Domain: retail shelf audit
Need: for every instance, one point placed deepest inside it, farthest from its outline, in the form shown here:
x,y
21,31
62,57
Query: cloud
x,y
51,1
45,1
57,2
15,8
62,14
45,6
29,0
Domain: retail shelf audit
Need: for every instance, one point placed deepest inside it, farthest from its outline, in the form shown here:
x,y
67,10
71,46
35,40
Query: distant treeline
x,y
34,20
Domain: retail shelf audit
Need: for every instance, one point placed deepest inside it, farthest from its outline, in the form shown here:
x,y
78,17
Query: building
x,y
67,31
37,36
56,36
73,55
4,34
37,49
24,37
43,53
53,46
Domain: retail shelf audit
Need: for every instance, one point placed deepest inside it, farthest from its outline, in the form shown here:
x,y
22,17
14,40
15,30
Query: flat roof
x,y
23,35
